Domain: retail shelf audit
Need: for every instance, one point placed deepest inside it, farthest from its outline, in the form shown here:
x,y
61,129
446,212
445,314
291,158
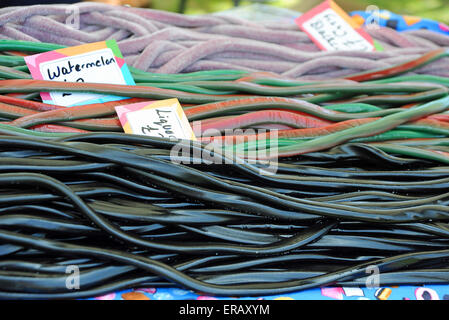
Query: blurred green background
x,y
432,9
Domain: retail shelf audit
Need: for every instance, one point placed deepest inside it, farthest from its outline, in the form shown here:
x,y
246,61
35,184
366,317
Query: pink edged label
x,y
331,29
99,62
123,110
162,118
34,61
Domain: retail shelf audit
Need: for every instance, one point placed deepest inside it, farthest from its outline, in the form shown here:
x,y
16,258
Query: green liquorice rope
x,y
219,80
425,129
210,75
15,131
12,61
413,152
394,134
368,129
187,83
28,46
185,88
39,47
353,88
11,73
352,107
415,78
425,143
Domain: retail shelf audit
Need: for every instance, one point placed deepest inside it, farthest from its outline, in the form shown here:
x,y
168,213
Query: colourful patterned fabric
x,y
398,22
430,292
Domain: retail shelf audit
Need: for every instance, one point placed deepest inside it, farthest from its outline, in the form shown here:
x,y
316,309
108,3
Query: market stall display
x,y
359,142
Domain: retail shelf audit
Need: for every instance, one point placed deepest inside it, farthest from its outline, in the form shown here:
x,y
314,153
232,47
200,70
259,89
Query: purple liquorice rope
x,y
10,32
341,62
273,36
166,42
63,30
154,50
48,37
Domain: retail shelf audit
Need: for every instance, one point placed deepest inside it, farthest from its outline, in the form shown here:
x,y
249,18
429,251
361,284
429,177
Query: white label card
x,y
96,67
334,33
158,122
164,118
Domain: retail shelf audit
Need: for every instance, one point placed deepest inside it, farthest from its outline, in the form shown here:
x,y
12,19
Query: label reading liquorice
x,y
333,30
164,119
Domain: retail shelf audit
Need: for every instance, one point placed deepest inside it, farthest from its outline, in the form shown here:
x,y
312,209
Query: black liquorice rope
x,y
116,206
